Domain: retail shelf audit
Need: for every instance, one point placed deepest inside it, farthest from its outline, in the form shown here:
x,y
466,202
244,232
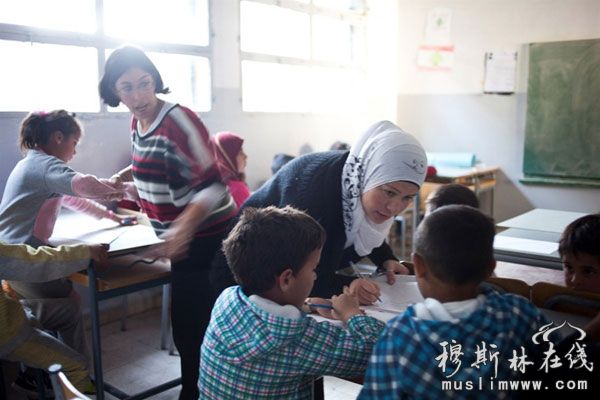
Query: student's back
x,y
460,340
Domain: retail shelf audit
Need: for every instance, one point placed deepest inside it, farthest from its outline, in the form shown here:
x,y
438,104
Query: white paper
x,y
524,245
394,298
73,227
500,72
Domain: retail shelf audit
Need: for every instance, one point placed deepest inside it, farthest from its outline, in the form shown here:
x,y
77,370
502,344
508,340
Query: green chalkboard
x,y
562,133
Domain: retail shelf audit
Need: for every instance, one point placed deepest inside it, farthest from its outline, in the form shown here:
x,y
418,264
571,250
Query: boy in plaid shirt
x,y
459,333
260,344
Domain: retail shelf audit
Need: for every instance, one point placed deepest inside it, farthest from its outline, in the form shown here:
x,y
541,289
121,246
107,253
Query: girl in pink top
x,y
231,160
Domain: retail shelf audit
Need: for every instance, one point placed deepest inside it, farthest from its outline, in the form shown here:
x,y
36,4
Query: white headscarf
x,y
383,154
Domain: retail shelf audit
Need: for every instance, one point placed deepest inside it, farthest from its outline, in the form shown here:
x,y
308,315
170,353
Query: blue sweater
x,y
311,183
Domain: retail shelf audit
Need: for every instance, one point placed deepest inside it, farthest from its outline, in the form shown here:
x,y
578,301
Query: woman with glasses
x,y
179,188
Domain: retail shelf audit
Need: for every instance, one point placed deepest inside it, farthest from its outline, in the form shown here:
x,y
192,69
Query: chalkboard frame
x,y
562,133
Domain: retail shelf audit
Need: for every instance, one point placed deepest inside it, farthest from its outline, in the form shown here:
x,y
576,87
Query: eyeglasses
x,y
143,87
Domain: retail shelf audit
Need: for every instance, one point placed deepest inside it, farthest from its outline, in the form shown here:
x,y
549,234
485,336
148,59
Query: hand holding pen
x,y
365,289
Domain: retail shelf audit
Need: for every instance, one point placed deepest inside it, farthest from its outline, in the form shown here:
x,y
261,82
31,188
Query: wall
x,y
447,110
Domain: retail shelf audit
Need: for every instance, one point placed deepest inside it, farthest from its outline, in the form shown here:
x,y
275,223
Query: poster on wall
x,y
500,72
437,51
437,28
435,57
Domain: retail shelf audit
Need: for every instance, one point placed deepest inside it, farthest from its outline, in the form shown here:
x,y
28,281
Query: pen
x,y
325,306
361,275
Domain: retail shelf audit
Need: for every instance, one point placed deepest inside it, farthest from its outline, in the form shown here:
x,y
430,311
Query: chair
x,y
508,285
561,298
63,389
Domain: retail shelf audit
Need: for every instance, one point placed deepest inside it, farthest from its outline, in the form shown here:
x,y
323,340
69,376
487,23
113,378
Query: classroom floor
x,y
133,361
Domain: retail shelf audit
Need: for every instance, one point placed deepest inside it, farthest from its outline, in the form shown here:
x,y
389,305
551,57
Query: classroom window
x,y
302,56
175,21
67,15
54,48
48,76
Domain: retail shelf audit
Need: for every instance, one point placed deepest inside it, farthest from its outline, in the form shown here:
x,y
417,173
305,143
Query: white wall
x,y
106,144
448,111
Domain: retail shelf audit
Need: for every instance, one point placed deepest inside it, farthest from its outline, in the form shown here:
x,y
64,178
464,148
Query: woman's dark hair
x,y
37,127
119,62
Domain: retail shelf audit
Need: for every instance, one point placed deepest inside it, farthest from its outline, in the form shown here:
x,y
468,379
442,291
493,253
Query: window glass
x,y
332,40
68,15
187,77
47,76
175,21
275,87
274,30
344,5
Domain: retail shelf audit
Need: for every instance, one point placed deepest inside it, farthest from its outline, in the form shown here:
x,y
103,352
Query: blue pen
x,y
325,306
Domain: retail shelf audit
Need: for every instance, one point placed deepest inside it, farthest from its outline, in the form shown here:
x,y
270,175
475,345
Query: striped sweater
x,y
173,165
24,263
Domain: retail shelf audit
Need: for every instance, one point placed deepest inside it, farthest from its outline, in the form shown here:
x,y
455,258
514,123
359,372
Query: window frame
x,y
101,42
358,64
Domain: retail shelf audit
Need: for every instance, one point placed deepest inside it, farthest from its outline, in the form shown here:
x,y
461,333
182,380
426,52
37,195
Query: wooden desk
x,y
478,179
532,238
125,274
528,274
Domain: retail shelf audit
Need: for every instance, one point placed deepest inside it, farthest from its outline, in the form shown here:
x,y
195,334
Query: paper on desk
x,y
524,245
80,228
394,298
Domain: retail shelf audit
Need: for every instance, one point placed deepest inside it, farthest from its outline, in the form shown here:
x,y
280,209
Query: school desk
x,y
478,179
127,273
532,238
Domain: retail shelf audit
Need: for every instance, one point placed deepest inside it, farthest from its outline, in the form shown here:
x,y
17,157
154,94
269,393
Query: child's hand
x,y
345,306
324,312
393,267
99,253
124,220
365,290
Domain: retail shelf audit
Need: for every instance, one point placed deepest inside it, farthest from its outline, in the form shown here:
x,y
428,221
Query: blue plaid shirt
x,y
409,359
248,353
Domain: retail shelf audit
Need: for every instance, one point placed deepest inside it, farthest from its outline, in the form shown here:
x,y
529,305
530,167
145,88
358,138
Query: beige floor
x,y
133,361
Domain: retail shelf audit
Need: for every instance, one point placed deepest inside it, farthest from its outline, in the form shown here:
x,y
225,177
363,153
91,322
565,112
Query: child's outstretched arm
x,y
24,263
95,209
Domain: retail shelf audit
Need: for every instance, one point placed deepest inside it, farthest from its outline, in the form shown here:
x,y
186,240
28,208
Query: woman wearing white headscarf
x,y
354,195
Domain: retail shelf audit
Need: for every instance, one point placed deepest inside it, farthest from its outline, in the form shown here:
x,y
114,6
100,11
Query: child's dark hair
x,y
267,241
456,242
452,193
37,127
119,62
581,236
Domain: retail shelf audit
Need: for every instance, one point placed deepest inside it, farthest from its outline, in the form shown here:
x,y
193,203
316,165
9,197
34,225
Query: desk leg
x,y
165,318
99,380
